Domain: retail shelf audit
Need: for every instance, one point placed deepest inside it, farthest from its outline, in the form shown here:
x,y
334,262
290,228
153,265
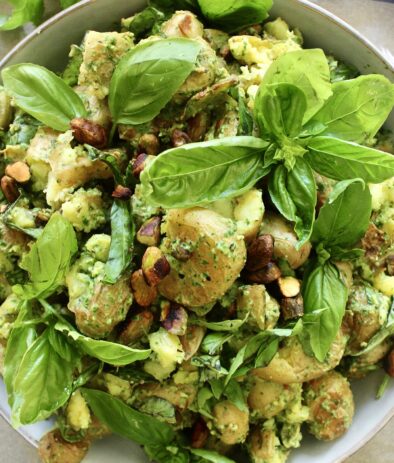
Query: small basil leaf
x,y
344,218
209,455
266,352
109,159
226,325
199,173
346,254
43,95
358,108
232,15
147,77
306,69
143,22
323,289
277,188
24,11
234,394
341,160
66,3
213,342
108,352
122,239
246,124
127,422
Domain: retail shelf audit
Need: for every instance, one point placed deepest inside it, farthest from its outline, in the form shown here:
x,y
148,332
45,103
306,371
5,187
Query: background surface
x,y
375,19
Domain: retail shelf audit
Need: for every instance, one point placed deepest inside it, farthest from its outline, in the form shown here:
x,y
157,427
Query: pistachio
x,y
155,266
179,138
192,340
121,192
200,434
173,317
389,364
181,253
136,328
86,131
139,164
266,275
289,286
198,126
19,171
149,232
260,252
149,144
144,294
292,307
9,188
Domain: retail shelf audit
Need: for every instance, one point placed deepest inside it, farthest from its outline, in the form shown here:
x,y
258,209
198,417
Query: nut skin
x,y
179,138
149,232
389,364
136,328
173,318
89,132
266,275
155,266
200,434
9,188
139,164
149,144
144,294
121,192
292,307
260,252
19,171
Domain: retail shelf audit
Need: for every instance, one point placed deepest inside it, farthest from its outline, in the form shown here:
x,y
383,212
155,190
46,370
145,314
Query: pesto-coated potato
x,y
217,256
179,395
52,448
331,406
264,447
183,24
285,240
231,422
359,367
292,365
262,308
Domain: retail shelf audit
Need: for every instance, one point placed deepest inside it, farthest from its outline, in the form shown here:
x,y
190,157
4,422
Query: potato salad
x,y
196,237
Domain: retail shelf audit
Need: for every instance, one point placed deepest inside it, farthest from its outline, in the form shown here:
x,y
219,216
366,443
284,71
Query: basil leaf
x,y
281,198
43,95
209,455
24,11
246,123
267,352
279,109
199,173
341,160
47,262
232,15
306,69
358,108
61,345
108,352
147,77
225,325
109,159
126,421
122,239
167,454
344,218
43,383
234,394
323,289
213,342
143,22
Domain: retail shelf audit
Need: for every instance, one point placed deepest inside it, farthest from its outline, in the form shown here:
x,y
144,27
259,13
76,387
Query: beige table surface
x,y
374,18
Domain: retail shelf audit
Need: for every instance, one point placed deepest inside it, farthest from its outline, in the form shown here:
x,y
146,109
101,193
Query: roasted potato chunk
x,y
231,422
52,448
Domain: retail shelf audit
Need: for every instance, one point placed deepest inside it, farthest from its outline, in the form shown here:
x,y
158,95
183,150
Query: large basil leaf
x,y
108,352
24,11
232,15
209,455
279,109
344,218
324,292
147,77
43,383
306,69
127,422
199,173
358,108
294,194
43,95
342,160
47,261
122,239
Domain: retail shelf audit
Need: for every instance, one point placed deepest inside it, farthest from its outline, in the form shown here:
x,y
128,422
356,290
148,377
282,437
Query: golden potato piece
x,y
231,422
218,254
264,446
52,448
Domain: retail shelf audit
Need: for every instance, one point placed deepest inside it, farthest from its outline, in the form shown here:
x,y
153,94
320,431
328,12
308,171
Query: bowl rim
x,y
303,3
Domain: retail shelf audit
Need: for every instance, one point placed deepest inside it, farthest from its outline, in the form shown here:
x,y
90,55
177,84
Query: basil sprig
x,y
43,95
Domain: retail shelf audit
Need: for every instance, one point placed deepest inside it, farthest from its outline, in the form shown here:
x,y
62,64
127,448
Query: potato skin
x,y
292,365
231,422
218,256
331,406
52,448
263,309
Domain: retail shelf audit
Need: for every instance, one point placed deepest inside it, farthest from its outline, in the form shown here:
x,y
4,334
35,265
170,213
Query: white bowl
x,y
48,45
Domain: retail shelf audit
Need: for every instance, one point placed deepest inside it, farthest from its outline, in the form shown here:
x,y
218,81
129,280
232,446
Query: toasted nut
x,y
181,252
89,132
144,294
266,275
42,217
121,192
292,307
198,126
149,232
155,266
179,138
260,252
173,317
9,188
149,143
289,286
139,164
137,327
200,434
3,208
192,340
389,364
390,265
19,171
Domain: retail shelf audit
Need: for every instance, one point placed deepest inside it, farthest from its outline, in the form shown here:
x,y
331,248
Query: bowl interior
x,y
49,46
